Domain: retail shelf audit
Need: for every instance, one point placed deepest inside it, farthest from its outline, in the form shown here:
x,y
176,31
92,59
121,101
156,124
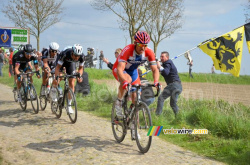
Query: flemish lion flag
x,y
226,51
247,33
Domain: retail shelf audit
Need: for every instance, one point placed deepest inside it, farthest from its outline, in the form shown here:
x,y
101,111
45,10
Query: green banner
x,y
19,31
19,39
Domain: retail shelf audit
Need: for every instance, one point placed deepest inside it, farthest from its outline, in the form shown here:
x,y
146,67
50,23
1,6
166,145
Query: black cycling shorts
x,y
70,68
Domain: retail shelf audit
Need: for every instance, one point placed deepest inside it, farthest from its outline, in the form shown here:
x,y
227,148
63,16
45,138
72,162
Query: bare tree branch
x,y
132,14
36,15
165,20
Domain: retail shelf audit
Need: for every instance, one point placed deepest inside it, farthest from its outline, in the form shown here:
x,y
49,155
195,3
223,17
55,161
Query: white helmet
x,y
53,46
77,49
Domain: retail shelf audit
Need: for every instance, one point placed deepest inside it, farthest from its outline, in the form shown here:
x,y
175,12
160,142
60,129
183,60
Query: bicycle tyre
x,y
23,103
56,106
143,122
34,99
43,100
118,129
72,116
15,94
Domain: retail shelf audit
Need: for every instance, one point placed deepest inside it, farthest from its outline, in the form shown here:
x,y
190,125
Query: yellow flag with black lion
x,y
226,51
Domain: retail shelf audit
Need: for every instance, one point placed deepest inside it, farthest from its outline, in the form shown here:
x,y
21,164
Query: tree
x,y
36,15
133,14
247,9
165,20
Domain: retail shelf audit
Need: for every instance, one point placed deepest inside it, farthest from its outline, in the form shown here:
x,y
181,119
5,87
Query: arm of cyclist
x,y
121,75
46,66
35,61
80,71
155,75
17,65
57,70
30,65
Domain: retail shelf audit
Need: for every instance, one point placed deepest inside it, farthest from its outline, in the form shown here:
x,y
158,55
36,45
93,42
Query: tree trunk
x,y
155,48
37,43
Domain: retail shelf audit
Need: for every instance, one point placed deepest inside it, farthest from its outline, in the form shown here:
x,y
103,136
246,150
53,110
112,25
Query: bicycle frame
x,y
66,85
130,115
26,81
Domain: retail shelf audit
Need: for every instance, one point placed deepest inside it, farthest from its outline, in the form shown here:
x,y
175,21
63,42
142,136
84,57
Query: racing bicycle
x,y
28,92
137,119
44,99
66,98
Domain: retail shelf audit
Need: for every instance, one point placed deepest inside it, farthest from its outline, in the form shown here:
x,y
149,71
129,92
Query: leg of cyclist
x,y
71,70
45,76
18,80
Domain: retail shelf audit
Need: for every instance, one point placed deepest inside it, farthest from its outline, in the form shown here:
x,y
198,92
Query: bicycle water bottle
x,y
48,89
60,91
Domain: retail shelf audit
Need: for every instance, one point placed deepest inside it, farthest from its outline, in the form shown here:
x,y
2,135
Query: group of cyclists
x,y
124,70
53,61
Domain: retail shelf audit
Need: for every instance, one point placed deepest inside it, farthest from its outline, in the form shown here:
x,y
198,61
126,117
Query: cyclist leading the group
x,y
67,59
49,57
125,68
21,62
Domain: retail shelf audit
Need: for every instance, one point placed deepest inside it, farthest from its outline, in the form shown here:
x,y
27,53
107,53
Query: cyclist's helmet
x,y
77,49
53,46
28,48
142,37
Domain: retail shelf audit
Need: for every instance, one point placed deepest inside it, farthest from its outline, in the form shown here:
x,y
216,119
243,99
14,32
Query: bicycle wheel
x,y
15,94
118,128
23,103
71,103
43,100
33,98
56,106
143,122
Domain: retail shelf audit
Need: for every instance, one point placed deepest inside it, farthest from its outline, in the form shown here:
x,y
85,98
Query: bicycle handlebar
x,y
27,73
69,76
148,85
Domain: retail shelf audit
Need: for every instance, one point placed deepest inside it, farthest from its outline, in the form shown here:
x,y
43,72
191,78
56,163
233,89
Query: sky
x,y
202,20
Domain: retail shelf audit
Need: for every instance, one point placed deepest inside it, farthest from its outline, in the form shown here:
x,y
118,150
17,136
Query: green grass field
x,y
198,77
228,125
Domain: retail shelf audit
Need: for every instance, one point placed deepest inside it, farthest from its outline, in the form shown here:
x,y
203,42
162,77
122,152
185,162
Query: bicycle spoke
x,y
34,99
71,105
143,123
117,126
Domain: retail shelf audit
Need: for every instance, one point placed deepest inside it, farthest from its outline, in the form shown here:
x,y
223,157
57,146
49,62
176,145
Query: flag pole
x,y
204,42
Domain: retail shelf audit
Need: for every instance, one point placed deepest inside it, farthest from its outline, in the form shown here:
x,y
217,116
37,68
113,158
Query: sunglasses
x,y
142,45
29,54
54,51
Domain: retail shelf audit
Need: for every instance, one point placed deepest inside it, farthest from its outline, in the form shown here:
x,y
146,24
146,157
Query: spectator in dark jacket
x,y
173,88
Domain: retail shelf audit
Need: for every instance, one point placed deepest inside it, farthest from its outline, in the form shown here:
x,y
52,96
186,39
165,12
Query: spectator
x,y
10,62
173,88
190,63
213,69
147,93
101,59
83,87
1,61
109,64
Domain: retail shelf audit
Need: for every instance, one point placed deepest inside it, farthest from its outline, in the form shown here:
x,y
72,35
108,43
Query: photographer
x,y
101,59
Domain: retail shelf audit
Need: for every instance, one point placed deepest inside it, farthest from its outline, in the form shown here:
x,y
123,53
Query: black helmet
x,y
28,48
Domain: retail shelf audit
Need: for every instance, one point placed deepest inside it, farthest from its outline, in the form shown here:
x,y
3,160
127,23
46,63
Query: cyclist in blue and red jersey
x,y
125,68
